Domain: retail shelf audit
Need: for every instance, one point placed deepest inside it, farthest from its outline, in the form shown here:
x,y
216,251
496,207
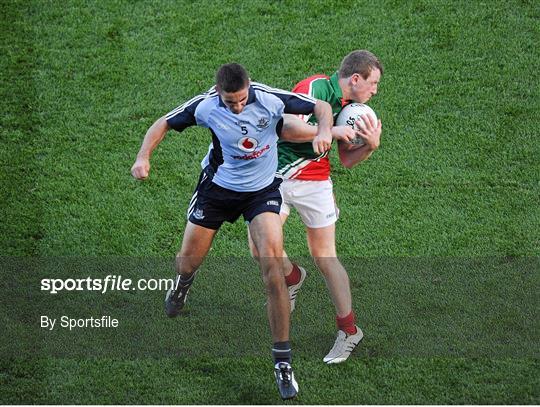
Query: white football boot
x,y
343,346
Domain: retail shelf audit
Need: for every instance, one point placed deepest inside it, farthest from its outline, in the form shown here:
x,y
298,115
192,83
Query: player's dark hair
x,y
231,78
361,62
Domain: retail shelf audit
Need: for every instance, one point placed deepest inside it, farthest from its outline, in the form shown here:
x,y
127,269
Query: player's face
x,y
364,89
235,101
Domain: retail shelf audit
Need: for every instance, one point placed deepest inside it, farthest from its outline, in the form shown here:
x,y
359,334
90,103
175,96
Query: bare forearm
x,y
323,141
350,155
370,132
323,113
154,136
296,130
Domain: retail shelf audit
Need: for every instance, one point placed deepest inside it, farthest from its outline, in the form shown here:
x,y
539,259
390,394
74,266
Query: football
x,y
351,113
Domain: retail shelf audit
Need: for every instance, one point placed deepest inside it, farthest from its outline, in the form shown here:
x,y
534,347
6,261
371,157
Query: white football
x,y
351,113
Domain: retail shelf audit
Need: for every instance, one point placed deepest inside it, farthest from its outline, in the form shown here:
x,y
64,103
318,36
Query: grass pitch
x,y
455,182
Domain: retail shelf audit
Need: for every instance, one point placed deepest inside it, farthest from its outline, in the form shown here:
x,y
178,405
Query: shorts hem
x,y
269,210
321,225
202,224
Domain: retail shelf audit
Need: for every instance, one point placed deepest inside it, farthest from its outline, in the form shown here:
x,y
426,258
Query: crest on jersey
x,y
263,123
247,144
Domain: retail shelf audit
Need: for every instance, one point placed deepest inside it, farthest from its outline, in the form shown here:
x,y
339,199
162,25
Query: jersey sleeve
x,y
312,86
297,103
185,115
294,103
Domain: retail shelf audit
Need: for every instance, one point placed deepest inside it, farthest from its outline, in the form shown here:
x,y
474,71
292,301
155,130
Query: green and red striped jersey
x,y
298,160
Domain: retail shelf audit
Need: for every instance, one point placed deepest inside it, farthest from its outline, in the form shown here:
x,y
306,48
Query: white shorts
x,y
313,200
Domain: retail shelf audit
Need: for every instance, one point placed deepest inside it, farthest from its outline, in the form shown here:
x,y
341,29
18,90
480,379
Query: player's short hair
x,y
361,62
231,77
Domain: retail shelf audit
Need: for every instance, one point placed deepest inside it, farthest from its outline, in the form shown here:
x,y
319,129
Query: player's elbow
x,y
348,164
346,161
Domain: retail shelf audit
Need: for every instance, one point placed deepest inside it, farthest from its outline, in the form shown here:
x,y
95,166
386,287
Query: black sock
x,y
281,352
183,282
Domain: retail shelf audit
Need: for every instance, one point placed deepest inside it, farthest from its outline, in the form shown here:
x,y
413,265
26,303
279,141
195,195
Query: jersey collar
x,y
334,82
251,97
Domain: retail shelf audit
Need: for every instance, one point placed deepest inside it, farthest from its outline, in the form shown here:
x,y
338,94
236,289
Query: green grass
x,y
217,381
440,229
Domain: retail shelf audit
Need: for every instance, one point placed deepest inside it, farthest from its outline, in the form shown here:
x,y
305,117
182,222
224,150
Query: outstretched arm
x,y
154,136
296,130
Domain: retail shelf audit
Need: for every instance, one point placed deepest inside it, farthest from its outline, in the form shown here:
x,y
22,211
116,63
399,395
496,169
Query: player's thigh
x,y
196,243
252,248
322,241
267,234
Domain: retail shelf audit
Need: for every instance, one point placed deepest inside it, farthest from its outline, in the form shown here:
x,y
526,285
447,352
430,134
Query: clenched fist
x,y
141,168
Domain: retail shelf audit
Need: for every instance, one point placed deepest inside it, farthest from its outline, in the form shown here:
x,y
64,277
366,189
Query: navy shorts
x,y
211,205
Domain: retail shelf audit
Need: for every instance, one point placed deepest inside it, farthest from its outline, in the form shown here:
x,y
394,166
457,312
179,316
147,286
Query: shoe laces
x,y
175,295
285,373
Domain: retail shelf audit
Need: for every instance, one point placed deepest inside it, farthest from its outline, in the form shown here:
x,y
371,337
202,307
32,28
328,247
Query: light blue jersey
x,y
243,155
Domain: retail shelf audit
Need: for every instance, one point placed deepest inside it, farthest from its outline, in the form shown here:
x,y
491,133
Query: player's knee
x,y
271,269
271,251
274,281
328,264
